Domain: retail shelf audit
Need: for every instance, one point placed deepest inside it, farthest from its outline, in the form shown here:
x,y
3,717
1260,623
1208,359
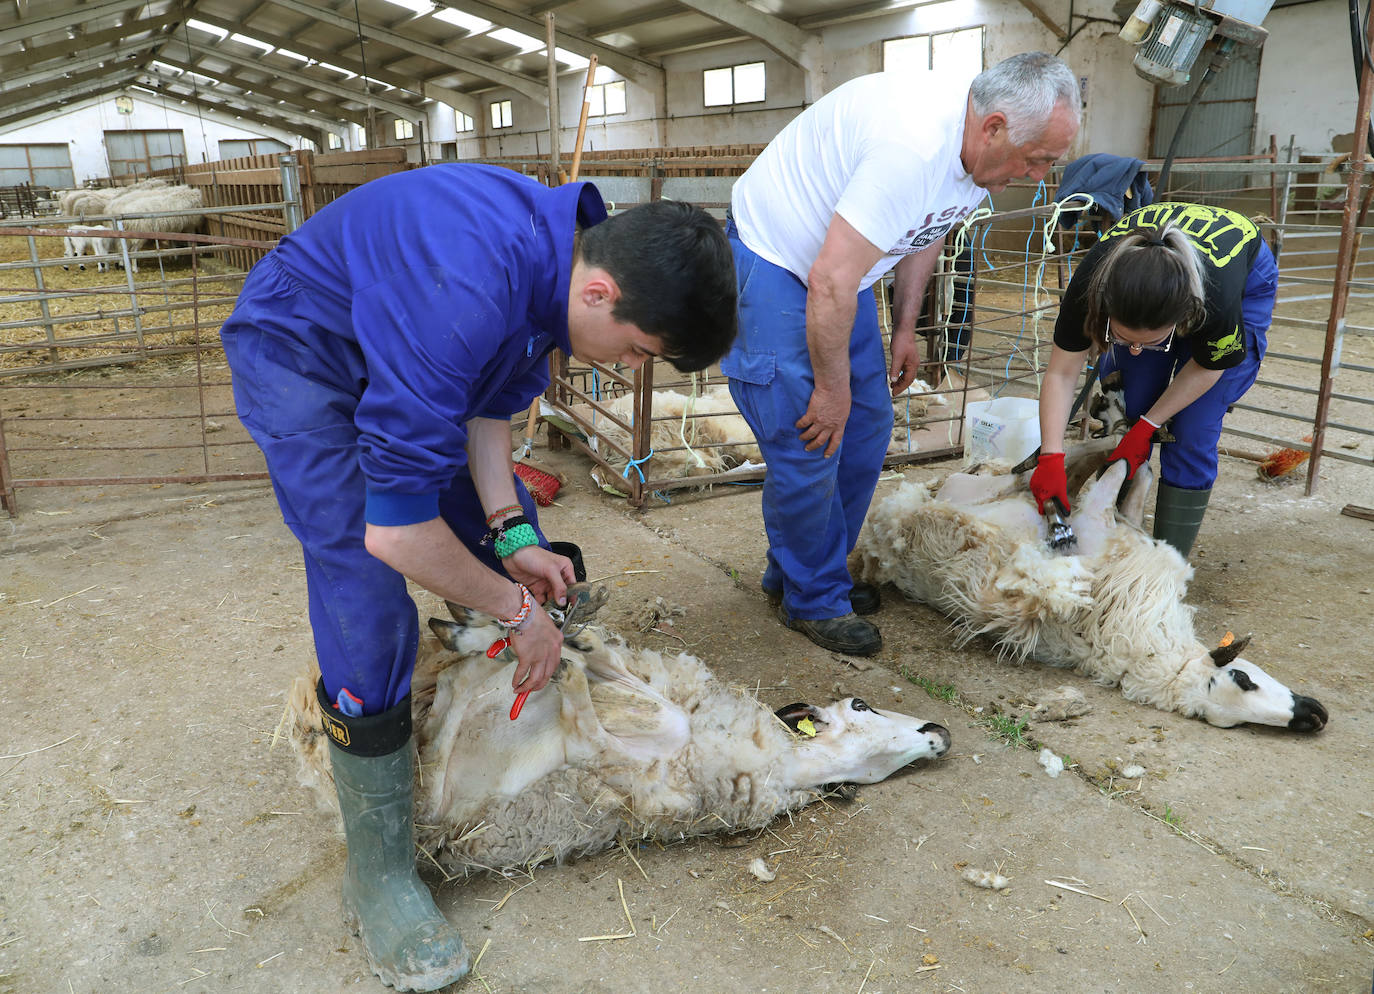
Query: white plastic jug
x,y
1003,428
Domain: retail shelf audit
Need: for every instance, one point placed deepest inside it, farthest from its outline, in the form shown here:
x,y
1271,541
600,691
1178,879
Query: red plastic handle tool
x,y
519,703
498,647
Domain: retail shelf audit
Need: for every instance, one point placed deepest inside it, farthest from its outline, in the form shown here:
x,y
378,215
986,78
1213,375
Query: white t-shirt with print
x,y
882,151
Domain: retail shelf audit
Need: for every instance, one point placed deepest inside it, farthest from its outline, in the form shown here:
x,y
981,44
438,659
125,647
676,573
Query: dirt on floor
x,y
154,836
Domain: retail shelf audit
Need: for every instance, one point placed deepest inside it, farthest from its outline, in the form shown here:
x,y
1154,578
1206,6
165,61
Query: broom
x,y
543,482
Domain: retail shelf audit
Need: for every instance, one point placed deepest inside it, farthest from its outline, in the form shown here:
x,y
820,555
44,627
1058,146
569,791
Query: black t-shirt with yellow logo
x,y
1227,243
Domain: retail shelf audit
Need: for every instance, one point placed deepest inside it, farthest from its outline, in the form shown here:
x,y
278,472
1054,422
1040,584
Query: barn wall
x,y
1307,78
83,130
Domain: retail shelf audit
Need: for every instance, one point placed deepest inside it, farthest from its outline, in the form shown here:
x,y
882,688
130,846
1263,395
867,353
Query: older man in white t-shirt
x,y
871,177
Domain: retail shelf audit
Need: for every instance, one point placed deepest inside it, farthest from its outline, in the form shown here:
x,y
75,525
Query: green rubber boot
x,y
1178,515
409,943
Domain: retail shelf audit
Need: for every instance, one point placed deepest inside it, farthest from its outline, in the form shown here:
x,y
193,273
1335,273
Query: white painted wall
x,y
1307,78
82,129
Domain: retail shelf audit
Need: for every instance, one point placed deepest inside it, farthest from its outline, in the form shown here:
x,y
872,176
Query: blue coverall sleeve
x,y
427,335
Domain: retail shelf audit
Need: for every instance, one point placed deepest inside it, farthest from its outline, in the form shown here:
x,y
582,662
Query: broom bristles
x,y
543,486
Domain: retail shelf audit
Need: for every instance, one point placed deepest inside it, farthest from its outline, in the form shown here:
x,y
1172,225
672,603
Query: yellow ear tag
x,y
807,728
1226,640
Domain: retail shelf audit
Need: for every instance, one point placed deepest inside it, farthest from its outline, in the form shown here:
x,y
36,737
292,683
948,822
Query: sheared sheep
x,y
624,744
976,550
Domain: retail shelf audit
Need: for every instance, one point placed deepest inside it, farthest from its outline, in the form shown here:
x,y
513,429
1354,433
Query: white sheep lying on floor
x,y
711,438
976,551
624,744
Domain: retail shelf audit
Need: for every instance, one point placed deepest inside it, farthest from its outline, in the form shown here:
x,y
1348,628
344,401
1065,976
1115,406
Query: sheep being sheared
x,y
623,744
976,550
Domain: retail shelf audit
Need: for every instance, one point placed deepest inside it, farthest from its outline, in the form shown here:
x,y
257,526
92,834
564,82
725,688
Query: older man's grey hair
x,y
1026,88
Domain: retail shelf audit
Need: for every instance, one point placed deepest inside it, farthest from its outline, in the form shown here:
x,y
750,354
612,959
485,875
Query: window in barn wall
x,y
742,84
37,165
334,141
501,116
463,122
134,153
403,129
605,99
956,52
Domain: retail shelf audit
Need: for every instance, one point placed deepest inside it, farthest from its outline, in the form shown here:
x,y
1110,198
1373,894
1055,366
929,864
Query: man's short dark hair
x,y
676,275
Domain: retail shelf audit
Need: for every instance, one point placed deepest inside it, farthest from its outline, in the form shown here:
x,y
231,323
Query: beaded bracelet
x,y
523,615
491,518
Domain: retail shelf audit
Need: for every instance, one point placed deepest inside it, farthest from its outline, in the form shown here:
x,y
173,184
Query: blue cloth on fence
x,y
1111,180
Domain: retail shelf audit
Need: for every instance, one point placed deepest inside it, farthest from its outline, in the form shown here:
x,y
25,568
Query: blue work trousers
x,y
1190,462
364,622
813,507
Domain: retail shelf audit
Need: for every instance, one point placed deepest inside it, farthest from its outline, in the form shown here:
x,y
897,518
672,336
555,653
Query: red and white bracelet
x,y
527,605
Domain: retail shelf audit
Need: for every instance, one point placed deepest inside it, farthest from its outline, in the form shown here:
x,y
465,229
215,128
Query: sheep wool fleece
x,y
882,152
362,346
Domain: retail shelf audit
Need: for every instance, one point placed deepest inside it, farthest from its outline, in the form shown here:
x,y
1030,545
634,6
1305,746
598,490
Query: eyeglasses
x,y
1135,348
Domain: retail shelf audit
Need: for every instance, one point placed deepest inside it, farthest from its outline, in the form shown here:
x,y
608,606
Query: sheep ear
x,y
794,714
447,633
1226,655
458,613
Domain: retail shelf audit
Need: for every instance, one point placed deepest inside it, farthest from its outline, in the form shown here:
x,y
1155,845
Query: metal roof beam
x,y
631,18
253,103
76,87
297,100
13,84
37,56
454,98
642,71
527,86
403,110
788,40
32,27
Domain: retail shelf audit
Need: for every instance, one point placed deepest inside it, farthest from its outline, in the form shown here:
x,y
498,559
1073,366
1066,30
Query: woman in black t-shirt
x,y
1178,297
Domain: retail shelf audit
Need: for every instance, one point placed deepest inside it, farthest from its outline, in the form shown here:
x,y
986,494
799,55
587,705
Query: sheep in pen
x,y
624,744
973,547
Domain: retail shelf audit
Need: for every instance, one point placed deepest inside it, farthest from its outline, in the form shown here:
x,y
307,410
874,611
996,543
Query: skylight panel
x,y
468,22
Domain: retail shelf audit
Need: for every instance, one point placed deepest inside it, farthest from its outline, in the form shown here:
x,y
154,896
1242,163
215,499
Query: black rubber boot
x,y
863,598
1178,515
848,634
410,945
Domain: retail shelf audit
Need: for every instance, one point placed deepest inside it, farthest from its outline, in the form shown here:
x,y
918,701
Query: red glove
x,y
1049,480
1135,448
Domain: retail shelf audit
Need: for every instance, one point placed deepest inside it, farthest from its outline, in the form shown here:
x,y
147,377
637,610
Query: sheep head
x,y
850,742
1232,690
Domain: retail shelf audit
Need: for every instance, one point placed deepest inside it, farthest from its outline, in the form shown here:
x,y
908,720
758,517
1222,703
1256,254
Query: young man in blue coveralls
x,y
378,354
871,176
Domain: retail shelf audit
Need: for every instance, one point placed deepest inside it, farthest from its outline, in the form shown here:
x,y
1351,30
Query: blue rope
x,y
635,464
1040,191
